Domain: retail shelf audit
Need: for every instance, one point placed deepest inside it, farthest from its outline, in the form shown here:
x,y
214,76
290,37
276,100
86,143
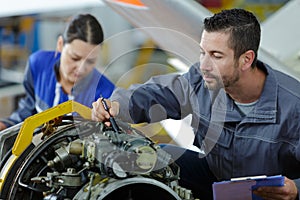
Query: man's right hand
x,y
100,114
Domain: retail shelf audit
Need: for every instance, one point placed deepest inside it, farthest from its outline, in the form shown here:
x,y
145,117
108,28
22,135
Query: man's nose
x,y
205,63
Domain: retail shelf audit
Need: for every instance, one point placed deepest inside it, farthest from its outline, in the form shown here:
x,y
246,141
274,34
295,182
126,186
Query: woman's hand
x,y
2,126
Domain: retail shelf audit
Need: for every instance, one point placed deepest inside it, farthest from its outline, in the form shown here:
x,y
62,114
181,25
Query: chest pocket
x,y
214,137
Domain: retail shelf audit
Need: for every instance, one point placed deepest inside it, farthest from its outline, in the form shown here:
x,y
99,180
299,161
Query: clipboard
x,y
241,188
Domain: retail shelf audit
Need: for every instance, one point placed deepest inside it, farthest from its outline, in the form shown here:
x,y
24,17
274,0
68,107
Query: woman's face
x,y
78,59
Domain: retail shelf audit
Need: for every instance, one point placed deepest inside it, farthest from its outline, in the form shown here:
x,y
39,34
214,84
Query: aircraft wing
x,y
174,25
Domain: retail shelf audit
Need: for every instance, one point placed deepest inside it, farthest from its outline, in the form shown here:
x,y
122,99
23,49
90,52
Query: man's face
x,y
78,59
217,63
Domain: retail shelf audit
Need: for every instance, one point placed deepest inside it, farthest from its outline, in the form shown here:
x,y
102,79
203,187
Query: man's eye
x,y
217,56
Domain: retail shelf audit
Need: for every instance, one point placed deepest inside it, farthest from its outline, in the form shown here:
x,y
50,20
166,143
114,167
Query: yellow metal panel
x,y
25,134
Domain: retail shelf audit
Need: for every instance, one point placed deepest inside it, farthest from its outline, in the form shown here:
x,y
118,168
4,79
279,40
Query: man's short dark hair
x,y
243,27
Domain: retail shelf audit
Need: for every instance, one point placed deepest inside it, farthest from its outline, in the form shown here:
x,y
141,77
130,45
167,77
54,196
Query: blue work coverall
x,y
42,90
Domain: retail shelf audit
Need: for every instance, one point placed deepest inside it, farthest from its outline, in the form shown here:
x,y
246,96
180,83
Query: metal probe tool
x,y
111,119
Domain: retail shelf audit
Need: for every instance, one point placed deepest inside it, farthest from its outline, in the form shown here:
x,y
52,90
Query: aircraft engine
x,y
76,158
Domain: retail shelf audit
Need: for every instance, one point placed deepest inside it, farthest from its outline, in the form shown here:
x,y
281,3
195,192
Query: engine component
x,y
83,159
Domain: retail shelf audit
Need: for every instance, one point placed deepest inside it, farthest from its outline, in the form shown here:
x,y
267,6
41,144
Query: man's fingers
x,y
114,108
98,111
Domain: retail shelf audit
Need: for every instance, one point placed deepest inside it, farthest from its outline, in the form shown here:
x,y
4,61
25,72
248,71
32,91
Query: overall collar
x,y
264,111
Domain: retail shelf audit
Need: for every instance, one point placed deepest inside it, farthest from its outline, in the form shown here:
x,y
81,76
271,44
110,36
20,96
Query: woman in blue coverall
x,y
53,77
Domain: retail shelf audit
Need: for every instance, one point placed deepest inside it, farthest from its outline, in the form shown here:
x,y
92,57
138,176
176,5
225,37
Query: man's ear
x,y
247,59
59,43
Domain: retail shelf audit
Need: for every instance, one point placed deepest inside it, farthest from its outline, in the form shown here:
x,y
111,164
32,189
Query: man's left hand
x,y
287,192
